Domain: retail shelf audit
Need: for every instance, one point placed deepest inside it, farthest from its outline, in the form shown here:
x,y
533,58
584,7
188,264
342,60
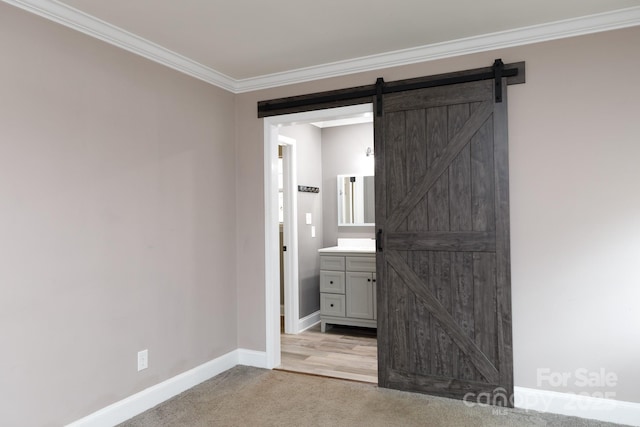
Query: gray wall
x,y
117,222
343,152
309,173
574,181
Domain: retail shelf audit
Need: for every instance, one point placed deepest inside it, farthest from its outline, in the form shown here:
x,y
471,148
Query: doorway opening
x,y
273,139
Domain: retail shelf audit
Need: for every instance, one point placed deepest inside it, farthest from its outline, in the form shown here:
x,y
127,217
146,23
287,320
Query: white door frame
x,y
290,235
272,240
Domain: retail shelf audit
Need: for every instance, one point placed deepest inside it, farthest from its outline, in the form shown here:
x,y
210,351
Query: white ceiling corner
x,y
92,26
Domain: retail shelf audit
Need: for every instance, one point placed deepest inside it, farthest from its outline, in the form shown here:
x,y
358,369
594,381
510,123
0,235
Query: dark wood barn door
x,y
442,210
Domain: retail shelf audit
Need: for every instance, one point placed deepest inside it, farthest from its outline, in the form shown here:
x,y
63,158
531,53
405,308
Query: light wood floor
x,y
341,352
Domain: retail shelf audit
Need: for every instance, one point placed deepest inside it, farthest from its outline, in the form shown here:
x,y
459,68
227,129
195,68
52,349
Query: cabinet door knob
x,y
331,282
368,280
331,305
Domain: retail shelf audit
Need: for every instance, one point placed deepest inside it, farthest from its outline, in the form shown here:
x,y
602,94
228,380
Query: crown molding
x,y
613,20
94,27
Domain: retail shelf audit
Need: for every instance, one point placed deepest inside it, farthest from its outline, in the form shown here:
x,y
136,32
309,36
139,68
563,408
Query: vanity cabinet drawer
x,y
332,305
361,263
335,263
332,281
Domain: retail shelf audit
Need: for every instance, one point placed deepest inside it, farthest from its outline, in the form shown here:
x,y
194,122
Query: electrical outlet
x,y
143,360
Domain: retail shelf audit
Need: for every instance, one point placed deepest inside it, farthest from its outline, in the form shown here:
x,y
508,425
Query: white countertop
x,y
354,246
348,249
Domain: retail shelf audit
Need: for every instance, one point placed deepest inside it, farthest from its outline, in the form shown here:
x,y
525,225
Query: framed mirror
x,y
356,203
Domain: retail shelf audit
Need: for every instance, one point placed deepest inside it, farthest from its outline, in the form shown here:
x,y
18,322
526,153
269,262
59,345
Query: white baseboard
x,y
308,321
154,395
613,411
254,358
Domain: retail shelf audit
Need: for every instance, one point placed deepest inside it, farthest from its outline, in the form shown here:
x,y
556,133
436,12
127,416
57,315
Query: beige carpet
x,y
245,396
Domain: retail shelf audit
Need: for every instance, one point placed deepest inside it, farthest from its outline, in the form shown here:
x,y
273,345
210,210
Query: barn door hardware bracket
x,y
379,93
498,69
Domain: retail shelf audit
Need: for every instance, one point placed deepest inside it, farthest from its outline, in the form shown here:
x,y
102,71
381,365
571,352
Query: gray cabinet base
x,y
330,320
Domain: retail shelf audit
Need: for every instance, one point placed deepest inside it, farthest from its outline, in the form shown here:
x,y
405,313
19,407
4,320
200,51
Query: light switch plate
x,y
308,219
313,231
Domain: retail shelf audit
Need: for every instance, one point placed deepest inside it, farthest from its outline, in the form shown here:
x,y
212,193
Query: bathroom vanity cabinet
x,y
347,288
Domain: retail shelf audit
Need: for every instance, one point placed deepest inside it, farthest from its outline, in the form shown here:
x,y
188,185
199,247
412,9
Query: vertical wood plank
x,y
484,291
395,159
482,179
399,319
420,338
438,205
436,133
396,180
419,325
440,277
457,116
462,295
460,219
422,344
460,174
416,161
438,195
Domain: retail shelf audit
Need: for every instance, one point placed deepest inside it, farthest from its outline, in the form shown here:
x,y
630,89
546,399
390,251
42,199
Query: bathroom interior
x,y
334,168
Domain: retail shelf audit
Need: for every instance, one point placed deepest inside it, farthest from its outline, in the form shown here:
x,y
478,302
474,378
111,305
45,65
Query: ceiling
x,y
243,41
